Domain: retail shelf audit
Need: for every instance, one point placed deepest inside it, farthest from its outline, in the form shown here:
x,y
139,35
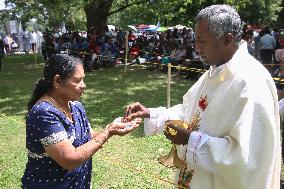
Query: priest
x,y
234,142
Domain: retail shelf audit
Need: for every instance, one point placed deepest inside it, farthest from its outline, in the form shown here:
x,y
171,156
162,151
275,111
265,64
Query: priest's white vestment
x,y
237,142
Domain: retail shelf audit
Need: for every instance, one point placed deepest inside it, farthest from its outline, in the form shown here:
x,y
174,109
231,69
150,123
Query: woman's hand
x,y
118,127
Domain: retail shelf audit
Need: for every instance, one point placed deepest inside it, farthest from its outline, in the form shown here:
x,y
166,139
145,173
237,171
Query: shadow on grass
x,y
105,98
17,77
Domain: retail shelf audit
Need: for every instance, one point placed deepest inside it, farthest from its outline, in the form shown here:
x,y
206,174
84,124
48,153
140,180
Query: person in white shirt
x,y
33,40
234,113
25,40
39,40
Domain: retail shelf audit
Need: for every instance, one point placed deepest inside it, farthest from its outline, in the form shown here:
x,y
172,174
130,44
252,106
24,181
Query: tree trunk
x,y
281,17
97,14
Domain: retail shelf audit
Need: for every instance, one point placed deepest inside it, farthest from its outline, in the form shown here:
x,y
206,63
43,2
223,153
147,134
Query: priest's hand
x,y
135,110
181,135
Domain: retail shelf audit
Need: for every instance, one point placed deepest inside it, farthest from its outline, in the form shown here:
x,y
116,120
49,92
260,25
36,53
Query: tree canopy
x,y
86,14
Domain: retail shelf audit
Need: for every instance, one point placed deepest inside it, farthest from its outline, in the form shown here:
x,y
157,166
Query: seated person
x,y
279,57
176,56
180,55
134,52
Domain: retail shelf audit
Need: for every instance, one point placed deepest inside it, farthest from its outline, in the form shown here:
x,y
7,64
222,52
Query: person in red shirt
x,y
134,52
131,38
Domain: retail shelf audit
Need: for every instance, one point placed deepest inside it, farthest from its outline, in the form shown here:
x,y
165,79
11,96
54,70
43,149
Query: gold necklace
x,y
65,113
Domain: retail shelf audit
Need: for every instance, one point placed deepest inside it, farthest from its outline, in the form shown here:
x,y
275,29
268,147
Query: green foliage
x,y
267,11
49,13
167,12
172,12
124,162
125,12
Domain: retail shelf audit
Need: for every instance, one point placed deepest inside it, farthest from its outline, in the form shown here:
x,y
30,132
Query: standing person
x,y
267,46
7,41
39,40
59,138
33,40
235,141
1,51
279,58
25,41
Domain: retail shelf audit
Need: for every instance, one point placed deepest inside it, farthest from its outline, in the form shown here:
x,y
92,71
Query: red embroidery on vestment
x,y
186,176
203,103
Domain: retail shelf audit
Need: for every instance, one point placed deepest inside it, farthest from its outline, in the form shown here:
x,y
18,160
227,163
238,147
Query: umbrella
x,y
162,29
142,26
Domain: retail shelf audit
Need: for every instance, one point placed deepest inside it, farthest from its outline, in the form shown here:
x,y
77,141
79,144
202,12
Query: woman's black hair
x,y
58,64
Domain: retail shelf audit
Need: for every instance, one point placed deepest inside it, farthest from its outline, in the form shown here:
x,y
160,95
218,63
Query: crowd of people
x,y
266,46
175,46
110,47
24,41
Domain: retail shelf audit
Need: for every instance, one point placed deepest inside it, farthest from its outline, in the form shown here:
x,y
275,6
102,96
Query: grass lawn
x,y
124,162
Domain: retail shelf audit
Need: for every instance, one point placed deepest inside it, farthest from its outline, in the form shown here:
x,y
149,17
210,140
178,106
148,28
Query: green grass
x,y
124,162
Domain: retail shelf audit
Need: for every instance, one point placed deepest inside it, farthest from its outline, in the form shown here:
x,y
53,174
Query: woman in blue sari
x,y
59,138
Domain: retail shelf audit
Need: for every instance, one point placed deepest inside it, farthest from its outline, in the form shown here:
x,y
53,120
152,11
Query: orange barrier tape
x,y
278,80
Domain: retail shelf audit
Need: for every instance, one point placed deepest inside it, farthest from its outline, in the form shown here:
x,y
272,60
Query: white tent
x,y
180,27
111,27
132,27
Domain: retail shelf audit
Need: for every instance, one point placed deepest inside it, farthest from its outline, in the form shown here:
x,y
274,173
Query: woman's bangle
x,y
98,142
106,137
108,125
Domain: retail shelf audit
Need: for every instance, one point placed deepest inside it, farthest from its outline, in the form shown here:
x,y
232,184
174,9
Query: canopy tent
x,y
132,27
151,28
111,27
142,27
179,27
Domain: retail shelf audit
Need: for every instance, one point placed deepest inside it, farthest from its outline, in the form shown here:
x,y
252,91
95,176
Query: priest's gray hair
x,y
222,19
